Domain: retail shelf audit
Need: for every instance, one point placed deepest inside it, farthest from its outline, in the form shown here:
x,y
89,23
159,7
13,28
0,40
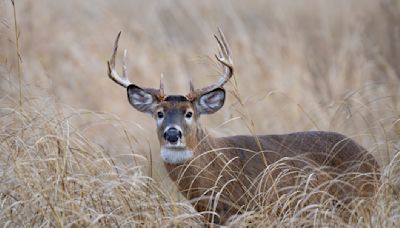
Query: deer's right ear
x,y
141,99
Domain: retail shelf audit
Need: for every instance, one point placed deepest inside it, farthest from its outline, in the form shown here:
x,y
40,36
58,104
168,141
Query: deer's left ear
x,y
210,102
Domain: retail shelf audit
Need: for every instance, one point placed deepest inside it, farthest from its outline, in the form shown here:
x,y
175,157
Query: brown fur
x,y
250,156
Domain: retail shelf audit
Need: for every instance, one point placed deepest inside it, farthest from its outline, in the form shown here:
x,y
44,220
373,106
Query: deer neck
x,y
203,142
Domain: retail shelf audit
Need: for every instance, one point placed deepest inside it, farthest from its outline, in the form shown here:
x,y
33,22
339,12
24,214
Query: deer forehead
x,y
174,108
175,103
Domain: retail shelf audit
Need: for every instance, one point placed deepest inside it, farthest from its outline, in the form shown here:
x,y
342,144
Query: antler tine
x,y
191,86
124,68
225,44
112,72
224,57
224,53
161,90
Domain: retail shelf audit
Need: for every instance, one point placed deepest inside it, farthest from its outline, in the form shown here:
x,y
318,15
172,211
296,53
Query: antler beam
x,y
124,80
112,72
224,57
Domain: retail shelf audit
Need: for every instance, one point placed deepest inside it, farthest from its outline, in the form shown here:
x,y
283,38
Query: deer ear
x,y
141,99
210,102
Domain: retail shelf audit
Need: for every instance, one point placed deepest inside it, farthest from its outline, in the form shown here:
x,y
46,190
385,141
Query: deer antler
x,y
224,57
112,73
123,80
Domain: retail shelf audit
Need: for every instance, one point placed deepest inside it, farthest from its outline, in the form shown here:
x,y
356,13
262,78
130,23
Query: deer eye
x,y
189,115
160,114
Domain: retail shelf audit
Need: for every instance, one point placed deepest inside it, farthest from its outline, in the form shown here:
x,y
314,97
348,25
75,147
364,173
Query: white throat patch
x,y
175,156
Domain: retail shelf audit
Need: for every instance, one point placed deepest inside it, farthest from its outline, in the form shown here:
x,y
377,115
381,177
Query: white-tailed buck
x,y
225,175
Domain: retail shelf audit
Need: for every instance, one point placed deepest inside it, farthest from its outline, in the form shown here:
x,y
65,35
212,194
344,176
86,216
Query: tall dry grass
x,y
51,175
77,154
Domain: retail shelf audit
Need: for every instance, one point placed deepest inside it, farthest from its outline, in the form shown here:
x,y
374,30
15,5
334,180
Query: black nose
x,y
172,135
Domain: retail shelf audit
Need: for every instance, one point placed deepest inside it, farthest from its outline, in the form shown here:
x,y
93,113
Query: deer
x,y
221,175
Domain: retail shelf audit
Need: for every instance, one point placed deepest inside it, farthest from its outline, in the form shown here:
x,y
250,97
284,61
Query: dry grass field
x,y
74,153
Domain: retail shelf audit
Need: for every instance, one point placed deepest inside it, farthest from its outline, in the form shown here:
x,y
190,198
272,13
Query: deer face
x,y
176,118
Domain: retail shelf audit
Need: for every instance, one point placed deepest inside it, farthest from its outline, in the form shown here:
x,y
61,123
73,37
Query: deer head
x,y
176,116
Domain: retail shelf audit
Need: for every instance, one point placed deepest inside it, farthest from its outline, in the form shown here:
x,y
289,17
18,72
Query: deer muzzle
x,y
172,135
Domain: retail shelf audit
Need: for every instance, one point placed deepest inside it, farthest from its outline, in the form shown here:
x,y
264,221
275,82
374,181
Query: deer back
x,y
240,167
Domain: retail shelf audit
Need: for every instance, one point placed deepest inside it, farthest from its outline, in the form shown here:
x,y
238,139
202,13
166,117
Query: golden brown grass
x,y
67,159
53,176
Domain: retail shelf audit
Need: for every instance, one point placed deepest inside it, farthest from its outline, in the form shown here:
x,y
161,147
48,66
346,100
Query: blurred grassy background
x,y
300,65
67,154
